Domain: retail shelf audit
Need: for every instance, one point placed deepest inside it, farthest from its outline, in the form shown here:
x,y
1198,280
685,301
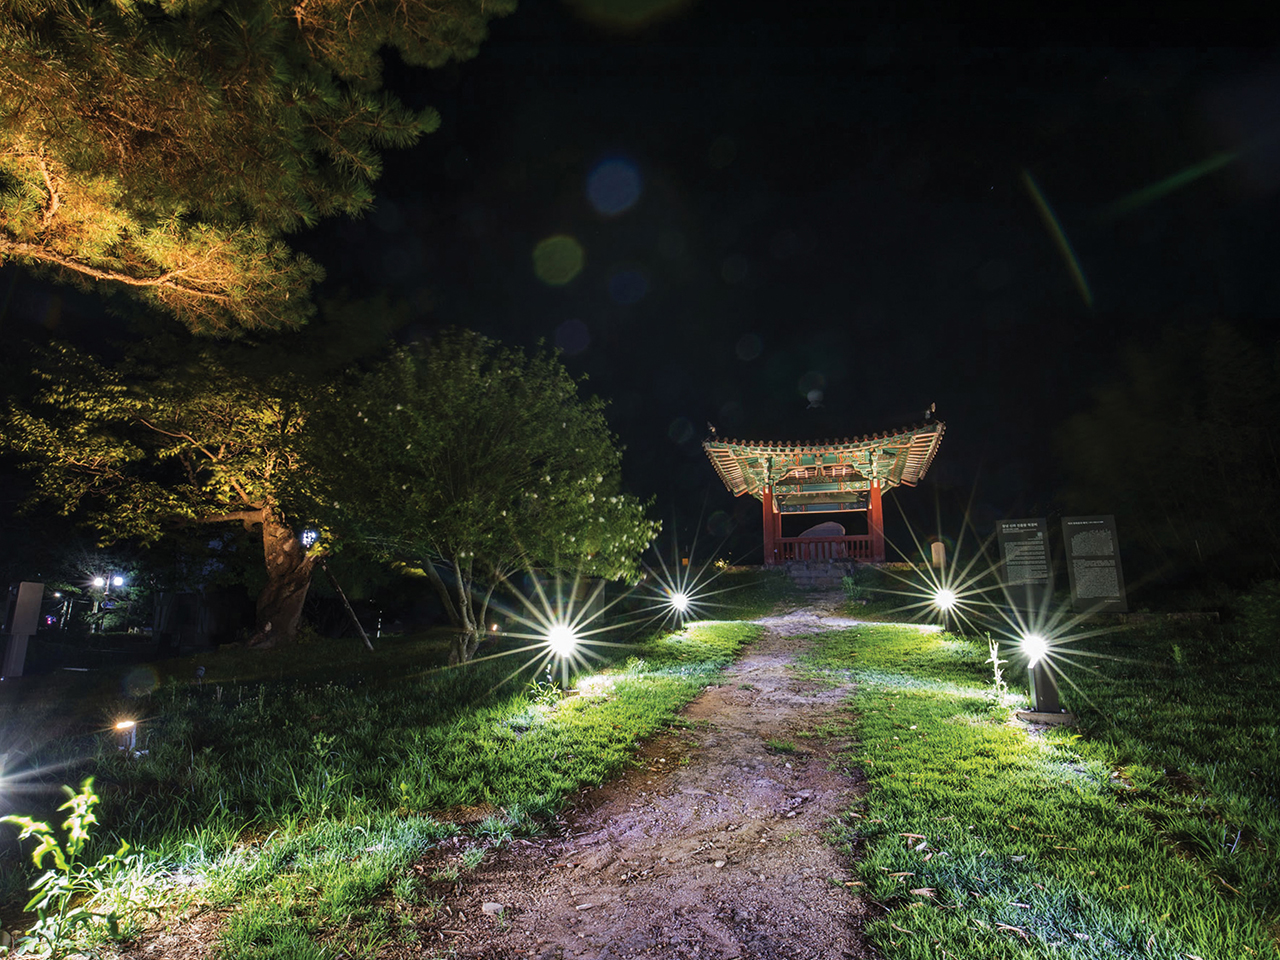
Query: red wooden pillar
x,y
875,523
770,529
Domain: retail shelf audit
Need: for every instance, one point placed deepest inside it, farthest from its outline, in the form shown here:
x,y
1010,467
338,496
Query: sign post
x,y
1028,572
1093,564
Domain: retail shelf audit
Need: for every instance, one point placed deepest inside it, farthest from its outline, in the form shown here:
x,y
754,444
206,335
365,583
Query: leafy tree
x,y
474,461
165,147
1183,449
138,449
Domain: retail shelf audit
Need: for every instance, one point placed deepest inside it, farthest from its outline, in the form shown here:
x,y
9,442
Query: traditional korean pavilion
x,y
828,476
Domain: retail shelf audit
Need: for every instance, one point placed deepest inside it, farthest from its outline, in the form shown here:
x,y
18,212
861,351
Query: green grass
x,y
1188,719
983,841
300,804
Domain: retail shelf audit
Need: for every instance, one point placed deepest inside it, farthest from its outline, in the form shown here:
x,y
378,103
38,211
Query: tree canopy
x,y
139,449
464,460
165,148
1183,450
472,461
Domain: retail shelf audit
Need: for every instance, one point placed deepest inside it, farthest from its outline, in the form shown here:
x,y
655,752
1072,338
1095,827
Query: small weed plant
x,y
544,691
75,902
999,689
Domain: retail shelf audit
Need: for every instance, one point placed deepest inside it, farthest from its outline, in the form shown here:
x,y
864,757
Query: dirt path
x,y
712,849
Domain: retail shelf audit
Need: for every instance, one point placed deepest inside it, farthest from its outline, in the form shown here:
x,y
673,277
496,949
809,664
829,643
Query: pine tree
x,y
166,148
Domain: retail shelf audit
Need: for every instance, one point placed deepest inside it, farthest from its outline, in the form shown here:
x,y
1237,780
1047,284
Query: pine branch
x,y
170,280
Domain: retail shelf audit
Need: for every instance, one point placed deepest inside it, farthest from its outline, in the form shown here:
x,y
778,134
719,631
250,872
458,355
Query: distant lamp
x,y
309,538
99,582
562,639
127,730
117,581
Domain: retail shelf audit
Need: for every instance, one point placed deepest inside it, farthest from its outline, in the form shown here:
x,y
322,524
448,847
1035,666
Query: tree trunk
x,y
465,643
288,579
457,600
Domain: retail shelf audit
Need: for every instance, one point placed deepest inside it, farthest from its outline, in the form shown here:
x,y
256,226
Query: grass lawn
x,y
295,795
292,800
1150,831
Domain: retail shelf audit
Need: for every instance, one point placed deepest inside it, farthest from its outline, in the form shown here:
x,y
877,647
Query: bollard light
x,y
1044,690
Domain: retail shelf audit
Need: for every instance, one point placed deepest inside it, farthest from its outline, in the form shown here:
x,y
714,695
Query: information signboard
x,y
1025,564
1093,564
21,619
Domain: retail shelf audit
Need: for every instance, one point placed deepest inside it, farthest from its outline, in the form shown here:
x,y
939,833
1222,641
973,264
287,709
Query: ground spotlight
x,y
679,602
127,730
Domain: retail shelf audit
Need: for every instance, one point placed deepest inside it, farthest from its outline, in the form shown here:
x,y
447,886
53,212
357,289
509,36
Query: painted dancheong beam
x,y
826,476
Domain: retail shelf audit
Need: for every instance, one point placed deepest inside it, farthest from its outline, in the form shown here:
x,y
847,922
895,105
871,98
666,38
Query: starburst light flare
x,y
562,639
959,590
682,590
1036,648
558,623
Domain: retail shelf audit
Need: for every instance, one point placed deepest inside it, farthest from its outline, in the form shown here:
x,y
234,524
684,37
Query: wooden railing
x,y
824,548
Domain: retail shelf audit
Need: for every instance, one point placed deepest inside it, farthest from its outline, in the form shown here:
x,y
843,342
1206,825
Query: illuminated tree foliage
x,y
136,450
1185,450
164,148
471,462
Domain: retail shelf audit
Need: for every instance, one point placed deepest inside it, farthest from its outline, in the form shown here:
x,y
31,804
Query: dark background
x,y
832,198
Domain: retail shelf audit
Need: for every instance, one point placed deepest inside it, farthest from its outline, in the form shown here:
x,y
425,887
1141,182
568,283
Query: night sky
x,y
814,221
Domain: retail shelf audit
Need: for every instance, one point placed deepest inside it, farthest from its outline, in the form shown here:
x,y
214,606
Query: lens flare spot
x,y
628,286
720,524
573,337
680,430
614,186
813,380
140,681
557,260
626,15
